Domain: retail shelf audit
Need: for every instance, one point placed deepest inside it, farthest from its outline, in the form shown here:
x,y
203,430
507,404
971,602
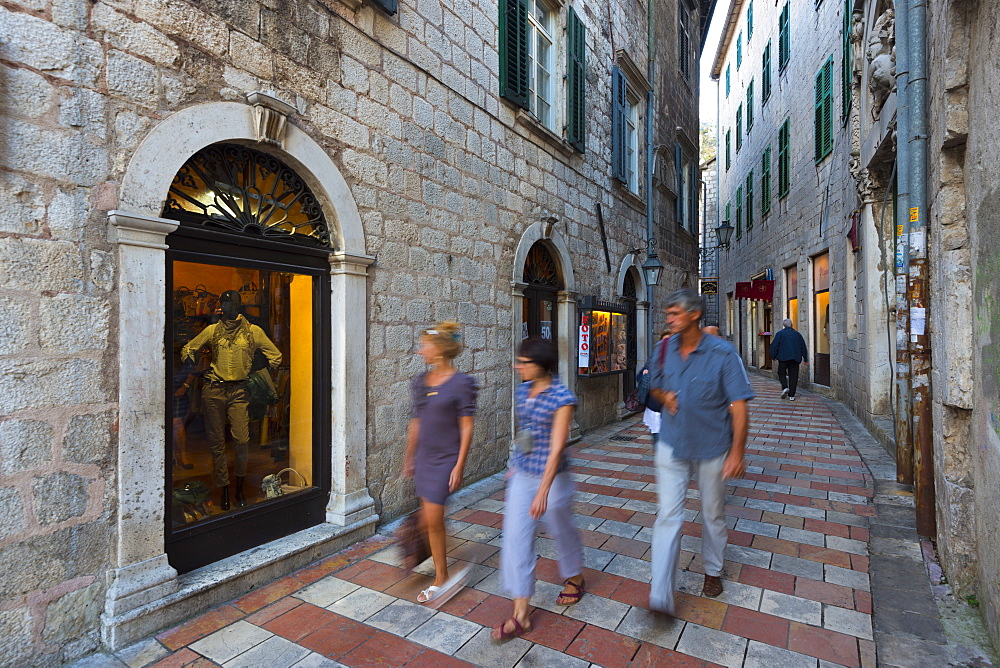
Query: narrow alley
x,y
808,551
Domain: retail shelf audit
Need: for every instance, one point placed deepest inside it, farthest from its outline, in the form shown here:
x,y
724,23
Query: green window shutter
x,y
765,74
749,20
514,51
739,127
728,154
739,51
727,81
693,195
729,211
390,7
783,159
749,106
846,73
784,42
750,200
683,41
828,106
619,89
765,181
576,78
739,212
818,117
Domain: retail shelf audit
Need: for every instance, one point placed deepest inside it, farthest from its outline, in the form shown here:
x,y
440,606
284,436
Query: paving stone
x,y
602,612
275,652
791,607
847,518
796,566
615,528
803,536
846,577
325,592
480,650
757,528
630,567
847,545
898,651
760,504
760,655
742,595
142,653
716,646
596,559
230,641
477,533
361,604
803,511
400,617
445,633
849,622
314,660
540,656
646,626
748,555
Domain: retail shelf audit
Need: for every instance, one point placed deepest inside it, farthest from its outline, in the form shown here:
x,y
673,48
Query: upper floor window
x,y
823,109
749,106
749,20
728,80
765,74
684,40
528,62
784,38
739,51
628,87
784,161
739,127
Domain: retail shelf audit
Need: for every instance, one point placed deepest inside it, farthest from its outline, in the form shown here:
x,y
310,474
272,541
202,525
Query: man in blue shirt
x,y
704,390
789,348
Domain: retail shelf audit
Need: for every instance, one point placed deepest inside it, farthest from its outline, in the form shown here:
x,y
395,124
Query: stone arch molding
x,y
145,593
628,262
556,243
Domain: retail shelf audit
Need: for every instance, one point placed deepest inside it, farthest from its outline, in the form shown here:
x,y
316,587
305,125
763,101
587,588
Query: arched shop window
x,y
540,296
248,361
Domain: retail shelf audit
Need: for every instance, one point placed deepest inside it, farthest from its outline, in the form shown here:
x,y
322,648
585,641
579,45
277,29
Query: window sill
x,y
528,120
634,199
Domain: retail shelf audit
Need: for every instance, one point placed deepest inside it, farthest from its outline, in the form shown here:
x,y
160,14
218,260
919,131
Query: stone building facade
x,y
426,195
791,198
860,202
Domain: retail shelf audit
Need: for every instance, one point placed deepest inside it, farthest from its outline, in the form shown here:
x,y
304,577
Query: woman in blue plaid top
x,y
539,486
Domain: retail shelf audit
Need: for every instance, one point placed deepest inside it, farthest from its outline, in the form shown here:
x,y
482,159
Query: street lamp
x,y
652,267
724,233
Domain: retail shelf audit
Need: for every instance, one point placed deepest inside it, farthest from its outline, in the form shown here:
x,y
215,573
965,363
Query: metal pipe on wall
x,y
903,398
919,292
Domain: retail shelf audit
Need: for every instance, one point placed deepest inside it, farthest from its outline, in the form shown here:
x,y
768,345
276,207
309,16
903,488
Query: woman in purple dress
x,y
437,444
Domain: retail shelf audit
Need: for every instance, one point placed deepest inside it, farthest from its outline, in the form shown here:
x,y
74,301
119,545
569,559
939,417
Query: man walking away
x,y
789,348
704,390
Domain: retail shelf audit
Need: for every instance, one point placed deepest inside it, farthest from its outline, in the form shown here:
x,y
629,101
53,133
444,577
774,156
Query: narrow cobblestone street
x,y
797,586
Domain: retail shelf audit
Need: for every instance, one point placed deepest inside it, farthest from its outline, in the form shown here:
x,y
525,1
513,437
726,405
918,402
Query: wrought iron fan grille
x,y
241,190
540,268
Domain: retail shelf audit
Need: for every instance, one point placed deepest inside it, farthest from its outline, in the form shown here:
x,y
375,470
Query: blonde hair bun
x,y
447,336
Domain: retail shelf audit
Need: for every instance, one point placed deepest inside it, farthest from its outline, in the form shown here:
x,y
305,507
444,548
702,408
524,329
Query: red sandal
x,y
500,634
573,597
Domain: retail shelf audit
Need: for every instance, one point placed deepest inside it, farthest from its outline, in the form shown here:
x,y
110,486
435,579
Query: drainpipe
x,y
650,73
920,345
904,394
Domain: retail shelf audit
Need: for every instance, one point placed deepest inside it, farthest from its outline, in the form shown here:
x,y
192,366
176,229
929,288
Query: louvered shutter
x,y
576,101
693,222
728,153
846,72
619,91
818,117
514,51
749,106
765,181
739,212
765,76
828,106
390,7
679,178
750,200
784,43
783,159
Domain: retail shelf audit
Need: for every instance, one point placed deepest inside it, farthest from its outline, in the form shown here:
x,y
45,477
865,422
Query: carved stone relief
x,y
881,55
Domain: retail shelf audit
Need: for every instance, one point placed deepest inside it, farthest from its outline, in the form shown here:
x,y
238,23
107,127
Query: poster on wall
x,y
584,348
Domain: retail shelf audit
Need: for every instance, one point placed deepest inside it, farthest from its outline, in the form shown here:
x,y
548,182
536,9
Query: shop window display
x,y
242,387
247,355
603,338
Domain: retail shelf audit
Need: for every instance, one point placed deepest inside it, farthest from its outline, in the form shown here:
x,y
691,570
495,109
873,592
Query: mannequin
x,y
233,342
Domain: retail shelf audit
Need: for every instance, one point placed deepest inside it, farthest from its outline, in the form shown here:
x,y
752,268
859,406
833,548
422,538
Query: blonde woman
x,y
437,444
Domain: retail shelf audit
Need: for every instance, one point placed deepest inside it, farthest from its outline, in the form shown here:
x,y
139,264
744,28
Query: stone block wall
x,y
446,176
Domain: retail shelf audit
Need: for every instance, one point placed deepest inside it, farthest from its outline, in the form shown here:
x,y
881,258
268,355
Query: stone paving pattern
x,y
797,586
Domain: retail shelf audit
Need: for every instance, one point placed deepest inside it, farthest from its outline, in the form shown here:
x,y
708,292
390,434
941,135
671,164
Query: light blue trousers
x,y
672,477
517,554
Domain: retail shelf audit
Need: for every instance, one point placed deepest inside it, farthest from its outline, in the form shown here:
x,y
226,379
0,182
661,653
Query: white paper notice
x,y
584,346
918,321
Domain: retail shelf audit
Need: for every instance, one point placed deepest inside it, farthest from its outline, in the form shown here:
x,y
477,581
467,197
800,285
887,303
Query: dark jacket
x,y
789,346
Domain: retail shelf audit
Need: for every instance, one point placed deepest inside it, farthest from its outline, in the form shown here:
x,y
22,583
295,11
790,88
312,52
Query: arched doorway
x,y
539,306
630,299
248,335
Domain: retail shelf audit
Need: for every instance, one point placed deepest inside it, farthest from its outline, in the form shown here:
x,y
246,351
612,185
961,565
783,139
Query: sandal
x,y
573,597
428,594
500,634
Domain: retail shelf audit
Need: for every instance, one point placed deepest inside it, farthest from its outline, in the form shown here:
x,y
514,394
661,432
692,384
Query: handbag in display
x,y
412,541
250,295
189,501
205,301
273,487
